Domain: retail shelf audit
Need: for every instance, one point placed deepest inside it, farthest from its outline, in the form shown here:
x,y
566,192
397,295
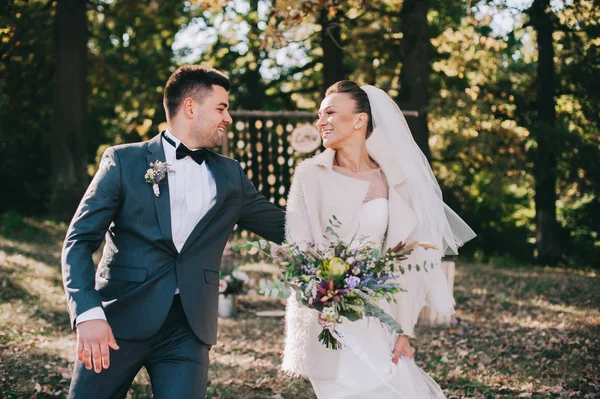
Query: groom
x,y
153,300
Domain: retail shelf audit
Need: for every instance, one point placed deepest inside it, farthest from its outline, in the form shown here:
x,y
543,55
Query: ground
x,y
522,332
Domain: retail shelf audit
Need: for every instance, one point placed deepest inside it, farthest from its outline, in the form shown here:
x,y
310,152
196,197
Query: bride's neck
x,y
355,159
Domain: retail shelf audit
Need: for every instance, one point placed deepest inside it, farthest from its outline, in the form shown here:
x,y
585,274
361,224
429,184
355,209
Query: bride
x,y
375,180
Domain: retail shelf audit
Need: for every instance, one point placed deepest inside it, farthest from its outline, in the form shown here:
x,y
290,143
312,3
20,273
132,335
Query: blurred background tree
x,y
507,93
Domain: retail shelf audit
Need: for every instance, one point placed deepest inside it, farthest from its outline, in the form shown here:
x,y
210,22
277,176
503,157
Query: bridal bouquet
x,y
341,280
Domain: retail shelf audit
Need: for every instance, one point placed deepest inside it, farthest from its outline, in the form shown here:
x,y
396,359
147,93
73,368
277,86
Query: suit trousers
x,y
176,360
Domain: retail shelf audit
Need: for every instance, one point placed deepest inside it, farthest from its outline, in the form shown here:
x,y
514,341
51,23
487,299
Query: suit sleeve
x,y
258,214
92,219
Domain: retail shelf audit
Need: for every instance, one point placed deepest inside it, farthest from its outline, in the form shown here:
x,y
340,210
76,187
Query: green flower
x,y
332,268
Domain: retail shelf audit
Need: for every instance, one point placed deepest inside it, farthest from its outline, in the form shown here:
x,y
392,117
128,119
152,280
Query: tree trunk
x,y
68,142
414,76
333,53
546,156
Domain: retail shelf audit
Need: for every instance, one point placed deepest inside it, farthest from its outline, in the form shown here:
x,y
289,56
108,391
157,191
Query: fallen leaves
x,y
520,333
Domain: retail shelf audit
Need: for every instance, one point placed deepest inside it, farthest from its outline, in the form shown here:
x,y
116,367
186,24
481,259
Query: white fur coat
x,y
317,193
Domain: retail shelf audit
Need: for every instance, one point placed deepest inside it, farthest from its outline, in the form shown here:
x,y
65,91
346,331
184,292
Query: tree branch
x,y
294,71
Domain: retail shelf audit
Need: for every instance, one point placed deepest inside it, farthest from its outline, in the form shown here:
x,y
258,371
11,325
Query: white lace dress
x,y
363,369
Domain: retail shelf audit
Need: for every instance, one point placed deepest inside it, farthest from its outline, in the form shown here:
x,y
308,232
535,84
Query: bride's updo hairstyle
x,y
358,95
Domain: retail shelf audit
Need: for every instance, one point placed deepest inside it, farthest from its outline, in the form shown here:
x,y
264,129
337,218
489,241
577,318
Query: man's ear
x,y
188,108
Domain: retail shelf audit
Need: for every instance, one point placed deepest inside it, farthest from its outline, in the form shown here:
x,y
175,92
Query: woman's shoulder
x,y
306,166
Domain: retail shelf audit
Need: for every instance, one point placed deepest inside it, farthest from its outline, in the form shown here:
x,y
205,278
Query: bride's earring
x,y
358,124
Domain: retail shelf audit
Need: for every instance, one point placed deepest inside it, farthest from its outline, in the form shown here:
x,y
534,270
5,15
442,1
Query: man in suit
x,y
153,300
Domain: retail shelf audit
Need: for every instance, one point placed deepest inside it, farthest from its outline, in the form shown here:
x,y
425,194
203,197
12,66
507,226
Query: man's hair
x,y
194,81
360,97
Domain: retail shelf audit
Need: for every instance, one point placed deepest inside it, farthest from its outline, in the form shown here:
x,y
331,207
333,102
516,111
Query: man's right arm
x,y
86,232
92,219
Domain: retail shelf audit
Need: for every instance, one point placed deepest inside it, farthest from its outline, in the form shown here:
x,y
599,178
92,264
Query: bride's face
x,y
337,121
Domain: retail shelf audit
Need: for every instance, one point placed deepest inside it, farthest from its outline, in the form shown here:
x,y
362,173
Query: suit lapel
x,y
221,184
162,202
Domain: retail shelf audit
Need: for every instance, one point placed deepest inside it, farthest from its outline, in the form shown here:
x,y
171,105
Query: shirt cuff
x,y
92,314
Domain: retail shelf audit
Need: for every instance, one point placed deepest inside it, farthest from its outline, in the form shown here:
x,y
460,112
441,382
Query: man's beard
x,y
216,138
212,138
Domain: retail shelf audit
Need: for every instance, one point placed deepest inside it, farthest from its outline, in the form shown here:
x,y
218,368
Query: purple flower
x,y
352,282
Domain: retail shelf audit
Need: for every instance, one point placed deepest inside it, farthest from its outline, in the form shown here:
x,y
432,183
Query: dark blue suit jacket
x,y
140,267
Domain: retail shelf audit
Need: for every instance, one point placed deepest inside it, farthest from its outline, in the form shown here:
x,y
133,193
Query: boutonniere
x,y
156,174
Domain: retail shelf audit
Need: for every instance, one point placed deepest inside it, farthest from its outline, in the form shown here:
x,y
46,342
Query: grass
x,y
524,332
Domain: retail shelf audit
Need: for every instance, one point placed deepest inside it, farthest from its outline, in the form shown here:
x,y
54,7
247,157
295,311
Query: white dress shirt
x,y
192,192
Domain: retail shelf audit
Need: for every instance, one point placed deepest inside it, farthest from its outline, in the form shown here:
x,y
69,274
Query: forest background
x,y
508,95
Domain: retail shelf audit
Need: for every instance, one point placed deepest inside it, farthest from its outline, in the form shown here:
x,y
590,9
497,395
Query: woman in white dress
x,y
375,180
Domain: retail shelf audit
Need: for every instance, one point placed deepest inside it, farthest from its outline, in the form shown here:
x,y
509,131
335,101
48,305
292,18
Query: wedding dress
x,y
413,209
363,368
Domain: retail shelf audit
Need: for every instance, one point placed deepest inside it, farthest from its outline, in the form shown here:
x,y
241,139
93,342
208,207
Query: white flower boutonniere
x,y
156,174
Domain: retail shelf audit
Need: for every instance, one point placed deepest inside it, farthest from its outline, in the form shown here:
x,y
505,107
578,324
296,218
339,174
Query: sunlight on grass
x,y
521,333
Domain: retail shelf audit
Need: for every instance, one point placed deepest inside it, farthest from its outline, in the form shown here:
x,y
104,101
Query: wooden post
x,y
431,318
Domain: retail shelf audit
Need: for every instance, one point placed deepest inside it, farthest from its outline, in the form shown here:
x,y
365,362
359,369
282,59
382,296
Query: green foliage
x,y
12,222
130,59
481,111
26,71
580,232
276,288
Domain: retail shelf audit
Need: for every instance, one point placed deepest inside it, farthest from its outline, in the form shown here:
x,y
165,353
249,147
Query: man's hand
x,y
93,339
402,347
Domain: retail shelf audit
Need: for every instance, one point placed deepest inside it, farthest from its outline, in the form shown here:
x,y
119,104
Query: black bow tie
x,y
182,151
199,155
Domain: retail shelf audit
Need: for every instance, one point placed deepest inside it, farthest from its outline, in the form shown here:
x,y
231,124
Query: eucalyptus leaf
x,y
385,318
